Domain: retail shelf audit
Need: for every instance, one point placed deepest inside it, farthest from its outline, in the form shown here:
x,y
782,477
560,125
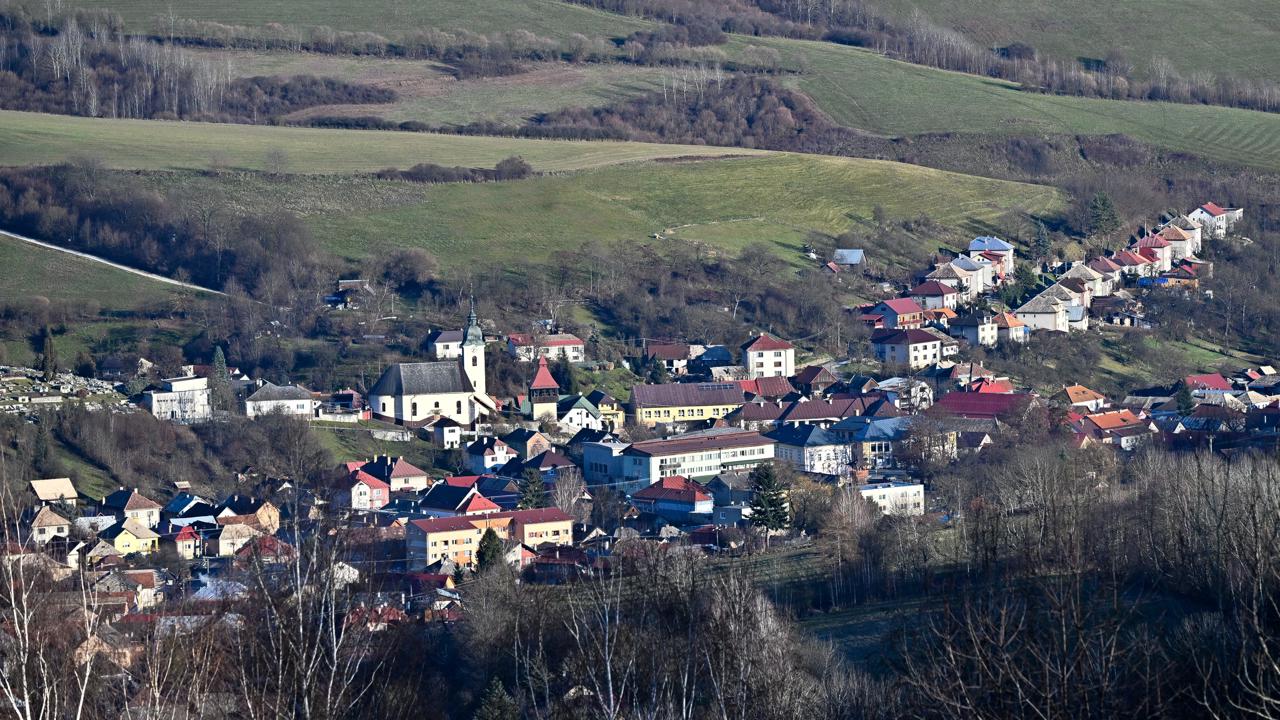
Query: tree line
x,y
90,70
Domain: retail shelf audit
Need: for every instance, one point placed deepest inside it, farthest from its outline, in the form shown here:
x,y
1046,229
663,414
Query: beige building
x,y
457,538
895,498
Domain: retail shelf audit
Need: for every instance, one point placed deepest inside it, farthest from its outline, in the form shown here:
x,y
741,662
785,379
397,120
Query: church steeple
x,y
473,351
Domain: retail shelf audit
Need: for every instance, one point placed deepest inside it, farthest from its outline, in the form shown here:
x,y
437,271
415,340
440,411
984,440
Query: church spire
x,y
471,334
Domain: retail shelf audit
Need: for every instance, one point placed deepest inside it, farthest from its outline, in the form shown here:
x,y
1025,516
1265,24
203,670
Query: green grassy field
x,y
546,18
429,94
532,221
34,139
36,272
862,89
1227,37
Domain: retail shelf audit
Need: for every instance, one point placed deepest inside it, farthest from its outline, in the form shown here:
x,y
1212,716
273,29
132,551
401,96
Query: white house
x,y
412,394
895,498
283,399
696,455
810,448
487,453
767,356
914,348
553,347
181,399
445,344
1215,219
934,295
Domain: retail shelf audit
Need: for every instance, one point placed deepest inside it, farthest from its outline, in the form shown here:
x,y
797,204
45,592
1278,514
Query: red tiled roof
x,y
1103,265
667,351
986,385
186,533
1008,320
1113,419
932,288
980,405
674,488
773,387
1129,258
1213,209
1210,381
464,522
1149,254
903,306
479,504
463,480
361,477
1153,241
542,379
765,341
902,337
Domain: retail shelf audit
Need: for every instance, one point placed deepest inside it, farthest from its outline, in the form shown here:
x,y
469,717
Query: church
x,y
412,394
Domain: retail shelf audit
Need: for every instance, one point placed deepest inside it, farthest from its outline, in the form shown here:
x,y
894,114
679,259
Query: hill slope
x,y
34,139
862,89
1226,37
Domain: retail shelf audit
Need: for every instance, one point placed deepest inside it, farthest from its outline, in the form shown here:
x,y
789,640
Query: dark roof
x,y
422,378
446,336
443,496
129,499
685,394
667,351
269,392
802,436
814,373
242,504
385,467
903,337
600,397
693,443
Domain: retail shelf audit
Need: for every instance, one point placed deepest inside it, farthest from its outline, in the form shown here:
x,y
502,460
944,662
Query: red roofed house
x,y
767,356
395,471
900,313
1160,248
187,542
457,538
544,393
555,346
1210,381
368,492
673,497
934,295
914,348
1118,427
1215,218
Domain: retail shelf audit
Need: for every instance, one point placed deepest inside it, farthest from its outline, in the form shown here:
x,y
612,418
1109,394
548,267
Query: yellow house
x,y
684,402
457,538
611,412
131,537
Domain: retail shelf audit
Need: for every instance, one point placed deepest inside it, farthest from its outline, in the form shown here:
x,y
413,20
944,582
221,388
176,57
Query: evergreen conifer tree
x,y
769,509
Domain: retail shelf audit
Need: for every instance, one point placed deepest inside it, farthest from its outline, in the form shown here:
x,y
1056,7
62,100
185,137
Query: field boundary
x,y
118,266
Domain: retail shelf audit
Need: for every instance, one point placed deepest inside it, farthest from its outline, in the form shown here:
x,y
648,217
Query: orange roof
x,y
1082,394
479,504
361,477
1174,233
1008,320
1114,419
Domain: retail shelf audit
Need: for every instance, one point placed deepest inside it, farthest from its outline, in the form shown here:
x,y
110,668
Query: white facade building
x,y
895,498
183,400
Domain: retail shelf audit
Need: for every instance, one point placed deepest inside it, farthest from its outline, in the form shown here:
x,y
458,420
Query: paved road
x,y
118,266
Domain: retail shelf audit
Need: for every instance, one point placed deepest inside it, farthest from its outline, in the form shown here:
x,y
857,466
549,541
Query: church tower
x,y
473,351
544,392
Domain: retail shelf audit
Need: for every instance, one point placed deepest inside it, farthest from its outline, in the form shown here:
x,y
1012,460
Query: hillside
x,y
724,204
865,90
34,139
547,18
1227,37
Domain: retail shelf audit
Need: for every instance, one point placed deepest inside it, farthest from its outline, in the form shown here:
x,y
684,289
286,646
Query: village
x,y
554,484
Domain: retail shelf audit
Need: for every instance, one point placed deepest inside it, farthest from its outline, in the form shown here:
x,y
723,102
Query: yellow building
x,y
611,413
131,537
683,402
458,538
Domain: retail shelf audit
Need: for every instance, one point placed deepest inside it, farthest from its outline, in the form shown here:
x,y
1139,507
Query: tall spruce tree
x,y
489,553
220,382
533,492
48,354
497,703
1103,217
1042,244
769,508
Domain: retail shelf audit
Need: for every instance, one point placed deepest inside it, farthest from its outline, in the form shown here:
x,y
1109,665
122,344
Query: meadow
x,y
35,139
428,93
36,272
1238,38
547,18
862,89
724,205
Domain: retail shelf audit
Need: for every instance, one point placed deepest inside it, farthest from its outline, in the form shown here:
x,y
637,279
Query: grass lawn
x,y
545,216
1227,37
429,94
547,18
865,90
36,139
37,272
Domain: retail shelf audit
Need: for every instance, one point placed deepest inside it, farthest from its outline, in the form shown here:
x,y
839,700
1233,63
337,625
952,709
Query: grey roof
x,y
851,256
989,243
862,429
803,436
269,392
446,336
443,496
422,378
686,394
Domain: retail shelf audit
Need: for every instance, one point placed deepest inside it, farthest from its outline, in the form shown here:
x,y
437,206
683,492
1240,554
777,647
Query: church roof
x,y
422,378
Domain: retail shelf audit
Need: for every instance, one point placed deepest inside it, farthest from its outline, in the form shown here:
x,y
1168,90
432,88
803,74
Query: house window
x,y
414,410
474,361
459,407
